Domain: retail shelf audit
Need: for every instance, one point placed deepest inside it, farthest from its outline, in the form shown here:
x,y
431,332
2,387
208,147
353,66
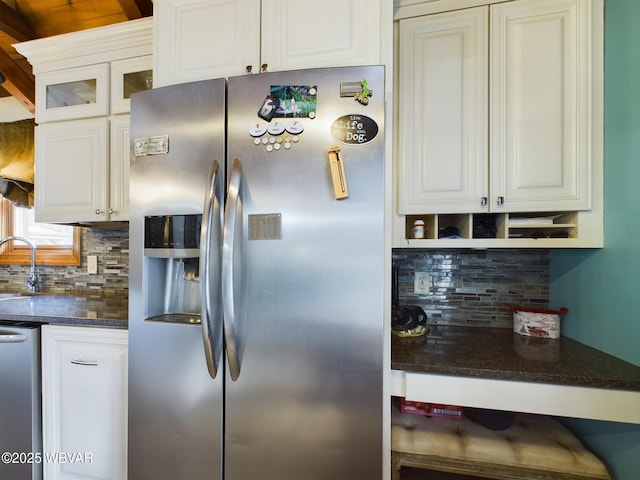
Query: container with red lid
x,y
537,322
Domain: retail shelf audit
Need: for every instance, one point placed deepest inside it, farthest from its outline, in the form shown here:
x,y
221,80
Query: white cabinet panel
x,y
73,93
306,34
128,77
84,391
200,39
119,168
540,153
71,166
443,112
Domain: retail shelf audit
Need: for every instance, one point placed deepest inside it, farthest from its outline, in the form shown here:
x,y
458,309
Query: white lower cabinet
x,y
84,403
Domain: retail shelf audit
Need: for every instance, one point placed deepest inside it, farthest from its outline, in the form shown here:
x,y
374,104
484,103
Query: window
x,y
56,244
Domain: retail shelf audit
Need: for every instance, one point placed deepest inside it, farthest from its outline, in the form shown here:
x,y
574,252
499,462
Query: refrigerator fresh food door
x,y
304,398
175,385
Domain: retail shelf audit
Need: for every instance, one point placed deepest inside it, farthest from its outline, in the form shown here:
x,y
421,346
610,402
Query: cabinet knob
x,y
264,67
499,201
484,201
99,212
249,68
112,211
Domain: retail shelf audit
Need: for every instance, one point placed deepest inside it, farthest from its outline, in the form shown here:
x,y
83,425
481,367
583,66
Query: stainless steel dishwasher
x,y
20,401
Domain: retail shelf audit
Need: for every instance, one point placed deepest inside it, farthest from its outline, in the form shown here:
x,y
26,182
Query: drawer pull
x,y
85,363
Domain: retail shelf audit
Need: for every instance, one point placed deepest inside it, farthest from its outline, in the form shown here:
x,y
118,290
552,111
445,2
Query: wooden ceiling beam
x,y
14,80
17,82
14,24
134,9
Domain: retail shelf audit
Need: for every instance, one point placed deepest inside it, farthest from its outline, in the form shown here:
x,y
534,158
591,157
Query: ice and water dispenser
x,y
172,254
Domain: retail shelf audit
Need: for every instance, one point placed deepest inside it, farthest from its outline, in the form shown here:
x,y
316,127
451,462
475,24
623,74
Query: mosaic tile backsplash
x,y
467,287
110,245
474,287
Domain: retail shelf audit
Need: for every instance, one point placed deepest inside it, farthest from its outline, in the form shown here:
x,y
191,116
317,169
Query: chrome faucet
x,y
32,280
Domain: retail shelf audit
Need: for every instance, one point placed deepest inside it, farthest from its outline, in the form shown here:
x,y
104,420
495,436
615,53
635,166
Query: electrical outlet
x,y
421,282
92,264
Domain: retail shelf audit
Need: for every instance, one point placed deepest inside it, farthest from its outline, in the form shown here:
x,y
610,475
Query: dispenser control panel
x,y
172,235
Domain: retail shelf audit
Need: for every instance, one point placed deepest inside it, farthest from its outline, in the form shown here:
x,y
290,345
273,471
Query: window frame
x,y
14,253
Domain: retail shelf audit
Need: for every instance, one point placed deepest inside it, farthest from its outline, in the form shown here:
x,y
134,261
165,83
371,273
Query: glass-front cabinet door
x,y
128,77
72,93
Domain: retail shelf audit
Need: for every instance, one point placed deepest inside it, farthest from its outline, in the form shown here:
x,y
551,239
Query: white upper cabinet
x,y
200,39
307,34
443,108
500,123
530,150
84,83
71,161
128,77
72,93
540,105
83,170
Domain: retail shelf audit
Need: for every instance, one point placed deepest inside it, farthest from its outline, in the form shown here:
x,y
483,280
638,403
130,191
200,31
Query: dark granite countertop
x,y
498,353
64,309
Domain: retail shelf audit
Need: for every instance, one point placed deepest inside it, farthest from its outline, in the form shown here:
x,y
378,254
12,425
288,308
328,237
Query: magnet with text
x,y
359,90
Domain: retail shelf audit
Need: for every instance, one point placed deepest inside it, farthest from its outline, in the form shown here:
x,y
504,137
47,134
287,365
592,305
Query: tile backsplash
x,y
474,287
110,245
467,287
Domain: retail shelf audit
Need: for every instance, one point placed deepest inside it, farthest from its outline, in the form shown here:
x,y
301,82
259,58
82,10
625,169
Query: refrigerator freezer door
x,y
307,402
175,406
210,269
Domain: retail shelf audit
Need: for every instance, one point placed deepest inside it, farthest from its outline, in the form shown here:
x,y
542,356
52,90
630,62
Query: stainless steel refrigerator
x,y
257,277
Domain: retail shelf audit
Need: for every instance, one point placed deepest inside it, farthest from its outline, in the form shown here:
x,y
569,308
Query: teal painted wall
x,y
602,287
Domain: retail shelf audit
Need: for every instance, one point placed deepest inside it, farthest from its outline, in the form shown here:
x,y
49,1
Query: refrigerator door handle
x,y
210,266
232,215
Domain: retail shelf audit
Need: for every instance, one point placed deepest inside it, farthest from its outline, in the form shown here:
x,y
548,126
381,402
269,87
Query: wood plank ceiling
x,y
22,20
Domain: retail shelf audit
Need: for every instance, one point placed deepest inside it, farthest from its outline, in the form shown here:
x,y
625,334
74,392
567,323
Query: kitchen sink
x,y
15,296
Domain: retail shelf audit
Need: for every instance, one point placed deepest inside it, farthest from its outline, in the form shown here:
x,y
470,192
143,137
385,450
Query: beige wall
x,y
12,110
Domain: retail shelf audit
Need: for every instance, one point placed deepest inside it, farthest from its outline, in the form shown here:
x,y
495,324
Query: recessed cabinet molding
x,y
500,112
200,39
84,401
